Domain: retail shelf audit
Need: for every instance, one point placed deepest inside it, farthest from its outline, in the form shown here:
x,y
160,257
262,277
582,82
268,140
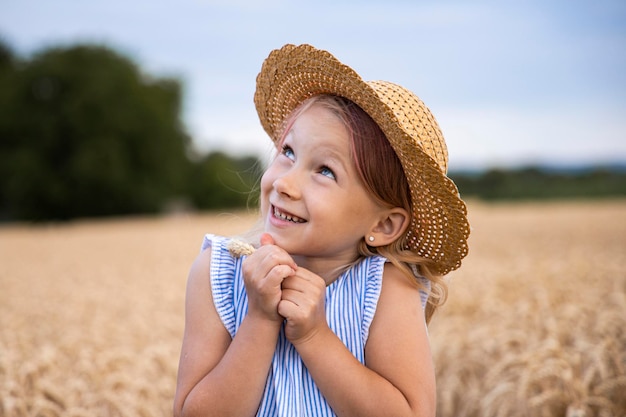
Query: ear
x,y
391,226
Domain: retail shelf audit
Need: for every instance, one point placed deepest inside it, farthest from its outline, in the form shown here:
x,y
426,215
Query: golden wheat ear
x,y
238,248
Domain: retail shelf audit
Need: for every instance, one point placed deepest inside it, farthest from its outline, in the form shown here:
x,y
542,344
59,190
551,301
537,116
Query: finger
x,y
295,306
277,275
267,267
300,292
295,283
267,239
287,309
297,298
274,252
304,279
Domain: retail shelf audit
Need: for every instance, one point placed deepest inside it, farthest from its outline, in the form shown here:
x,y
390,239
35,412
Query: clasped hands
x,y
280,290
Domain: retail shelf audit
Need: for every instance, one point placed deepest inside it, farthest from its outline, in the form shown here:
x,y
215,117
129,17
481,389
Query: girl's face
x,y
312,201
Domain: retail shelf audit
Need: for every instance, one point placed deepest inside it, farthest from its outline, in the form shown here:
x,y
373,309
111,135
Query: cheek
x,y
272,172
266,187
267,180
363,207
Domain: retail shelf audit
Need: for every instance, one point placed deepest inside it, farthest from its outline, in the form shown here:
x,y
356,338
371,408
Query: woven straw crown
x,y
439,228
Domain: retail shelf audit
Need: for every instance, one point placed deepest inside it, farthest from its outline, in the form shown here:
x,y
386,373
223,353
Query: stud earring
x,y
371,238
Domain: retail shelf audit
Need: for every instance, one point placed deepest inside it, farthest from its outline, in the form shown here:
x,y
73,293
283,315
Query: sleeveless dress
x,y
350,307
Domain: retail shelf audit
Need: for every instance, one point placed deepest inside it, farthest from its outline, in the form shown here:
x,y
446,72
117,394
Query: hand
x,y
303,305
263,272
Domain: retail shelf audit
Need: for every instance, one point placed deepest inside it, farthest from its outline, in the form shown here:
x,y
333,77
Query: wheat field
x,y
91,313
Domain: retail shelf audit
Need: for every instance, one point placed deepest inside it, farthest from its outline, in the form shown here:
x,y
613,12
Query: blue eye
x,y
288,152
328,172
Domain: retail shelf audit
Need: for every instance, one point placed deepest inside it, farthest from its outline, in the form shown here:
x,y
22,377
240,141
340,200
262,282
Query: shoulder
x,y
218,244
214,260
201,267
212,264
201,317
398,289
398,347
399,307
199,278
367,274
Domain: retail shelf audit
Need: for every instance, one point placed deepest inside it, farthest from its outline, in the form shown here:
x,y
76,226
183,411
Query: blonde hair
x,y
373,156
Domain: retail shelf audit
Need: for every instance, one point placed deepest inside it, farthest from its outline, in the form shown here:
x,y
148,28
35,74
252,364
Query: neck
x,y
328,269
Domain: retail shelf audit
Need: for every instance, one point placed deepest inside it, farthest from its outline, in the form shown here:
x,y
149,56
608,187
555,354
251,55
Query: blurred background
x,y
127,108
115,107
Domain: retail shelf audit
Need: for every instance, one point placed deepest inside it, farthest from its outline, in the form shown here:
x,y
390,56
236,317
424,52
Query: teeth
x,y
287,217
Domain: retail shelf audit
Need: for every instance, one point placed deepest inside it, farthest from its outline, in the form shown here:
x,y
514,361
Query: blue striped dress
x,y
350,307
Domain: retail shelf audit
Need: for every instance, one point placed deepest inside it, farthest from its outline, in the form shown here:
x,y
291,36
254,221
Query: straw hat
x,y
439,228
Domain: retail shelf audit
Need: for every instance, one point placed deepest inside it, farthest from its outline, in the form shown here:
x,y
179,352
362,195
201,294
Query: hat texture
x,y
439,228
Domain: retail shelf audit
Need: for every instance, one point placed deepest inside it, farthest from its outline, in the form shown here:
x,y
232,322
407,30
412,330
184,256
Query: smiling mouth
x,y
287,217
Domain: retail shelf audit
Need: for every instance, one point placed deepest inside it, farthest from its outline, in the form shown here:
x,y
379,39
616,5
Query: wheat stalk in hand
x,y
238,248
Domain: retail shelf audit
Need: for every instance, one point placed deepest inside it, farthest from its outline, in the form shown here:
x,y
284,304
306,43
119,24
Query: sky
x,y
511,83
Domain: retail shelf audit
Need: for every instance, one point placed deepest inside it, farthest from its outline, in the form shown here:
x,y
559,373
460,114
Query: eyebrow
x,y
335,157
328,150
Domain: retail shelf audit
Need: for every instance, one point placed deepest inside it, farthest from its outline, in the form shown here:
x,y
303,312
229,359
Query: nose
x,y
288,185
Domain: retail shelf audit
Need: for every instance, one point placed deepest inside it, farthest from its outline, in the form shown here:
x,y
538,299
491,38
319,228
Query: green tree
x,y
219,180
84,133
6,56
538,183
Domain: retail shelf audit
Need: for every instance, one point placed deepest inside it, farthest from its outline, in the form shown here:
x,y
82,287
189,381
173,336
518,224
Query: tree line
x,y
85,133
543,183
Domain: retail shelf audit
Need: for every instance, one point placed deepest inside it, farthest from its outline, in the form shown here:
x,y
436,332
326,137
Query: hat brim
x,y
439,229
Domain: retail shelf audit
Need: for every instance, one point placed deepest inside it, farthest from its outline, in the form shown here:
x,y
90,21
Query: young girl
x,y
327,316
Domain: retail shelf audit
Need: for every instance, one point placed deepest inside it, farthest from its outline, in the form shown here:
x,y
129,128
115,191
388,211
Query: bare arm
x,y
399,377
218,376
